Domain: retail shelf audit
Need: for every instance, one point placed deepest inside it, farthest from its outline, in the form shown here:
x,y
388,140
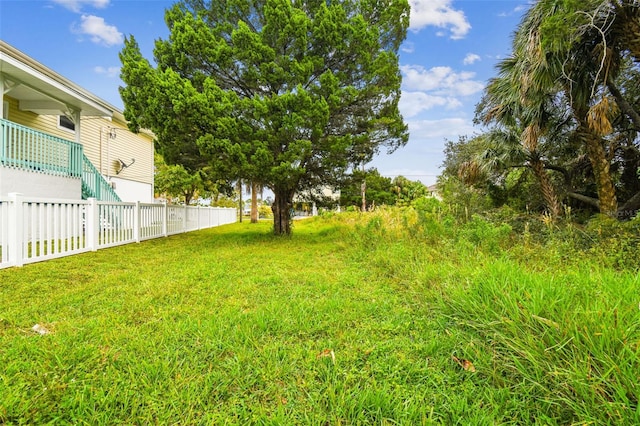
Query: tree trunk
x,y
282,212
601,169
548,191
624,105
254,202
627,14
240,203
630,208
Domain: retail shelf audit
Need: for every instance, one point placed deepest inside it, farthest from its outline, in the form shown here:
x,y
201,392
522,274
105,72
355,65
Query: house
x,y
58,140
305,201
434,191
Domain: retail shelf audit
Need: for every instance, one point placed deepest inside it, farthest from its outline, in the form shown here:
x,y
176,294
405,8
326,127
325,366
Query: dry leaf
x,y
327,353
464,363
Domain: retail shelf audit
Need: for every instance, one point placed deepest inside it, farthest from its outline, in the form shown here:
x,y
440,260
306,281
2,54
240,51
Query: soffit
x,y
42,91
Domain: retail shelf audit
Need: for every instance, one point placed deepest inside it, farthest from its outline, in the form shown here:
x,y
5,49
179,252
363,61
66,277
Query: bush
x,y
480,232
264,211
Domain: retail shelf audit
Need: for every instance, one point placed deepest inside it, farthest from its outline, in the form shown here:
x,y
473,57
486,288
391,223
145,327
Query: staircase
x,y
94,185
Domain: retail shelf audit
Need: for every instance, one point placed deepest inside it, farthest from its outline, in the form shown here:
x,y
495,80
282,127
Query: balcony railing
x,y
25,148
28,149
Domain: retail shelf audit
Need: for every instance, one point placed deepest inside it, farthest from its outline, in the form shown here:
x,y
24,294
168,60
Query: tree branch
x,y
624,105
565,173
585,199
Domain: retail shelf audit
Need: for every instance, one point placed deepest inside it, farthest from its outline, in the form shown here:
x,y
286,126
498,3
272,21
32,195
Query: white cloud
x,y
109,72
515,10
76,5
449,128
408,47
471,58
99,31
442,81
438,13
413,103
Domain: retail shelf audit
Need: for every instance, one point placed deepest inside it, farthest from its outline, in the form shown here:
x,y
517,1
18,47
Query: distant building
x,y
433,191
310,199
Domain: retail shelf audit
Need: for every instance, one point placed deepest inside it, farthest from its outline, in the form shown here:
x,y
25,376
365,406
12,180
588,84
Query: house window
x,y
66,123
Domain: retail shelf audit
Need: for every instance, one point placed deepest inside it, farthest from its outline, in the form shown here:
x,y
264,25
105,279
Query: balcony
x,y
27,149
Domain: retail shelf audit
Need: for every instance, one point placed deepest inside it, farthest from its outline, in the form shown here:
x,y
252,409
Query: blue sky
x,y
450,53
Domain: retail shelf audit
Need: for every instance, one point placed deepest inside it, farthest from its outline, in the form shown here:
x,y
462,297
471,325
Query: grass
x,y
352,320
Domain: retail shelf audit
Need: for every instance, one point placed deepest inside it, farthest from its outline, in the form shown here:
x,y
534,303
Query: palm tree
x,y
544,68
513,102
598,39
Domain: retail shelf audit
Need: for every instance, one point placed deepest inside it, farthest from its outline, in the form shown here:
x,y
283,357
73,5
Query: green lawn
x,y
353,320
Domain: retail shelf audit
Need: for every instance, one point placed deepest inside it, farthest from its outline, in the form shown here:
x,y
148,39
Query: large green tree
x,y
282,92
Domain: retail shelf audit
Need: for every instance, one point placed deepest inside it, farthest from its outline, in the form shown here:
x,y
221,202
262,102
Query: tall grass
x,y
551,319
402,316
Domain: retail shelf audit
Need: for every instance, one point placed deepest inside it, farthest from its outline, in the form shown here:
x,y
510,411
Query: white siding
x,y
38,185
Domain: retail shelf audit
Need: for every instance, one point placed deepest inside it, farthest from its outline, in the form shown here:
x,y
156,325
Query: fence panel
x,y
33,230
227,216
4,233
116,224
191,222
151,221
176,219
51,229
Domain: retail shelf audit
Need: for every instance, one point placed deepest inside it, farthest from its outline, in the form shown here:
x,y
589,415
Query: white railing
x,y
33,230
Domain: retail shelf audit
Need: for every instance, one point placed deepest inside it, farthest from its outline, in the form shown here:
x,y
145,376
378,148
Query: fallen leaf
x,y
327,353
464,363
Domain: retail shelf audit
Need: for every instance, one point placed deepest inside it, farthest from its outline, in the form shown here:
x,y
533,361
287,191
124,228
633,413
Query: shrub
x,y
480,232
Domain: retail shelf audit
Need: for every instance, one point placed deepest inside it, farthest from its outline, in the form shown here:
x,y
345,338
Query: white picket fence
x,y
33,230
